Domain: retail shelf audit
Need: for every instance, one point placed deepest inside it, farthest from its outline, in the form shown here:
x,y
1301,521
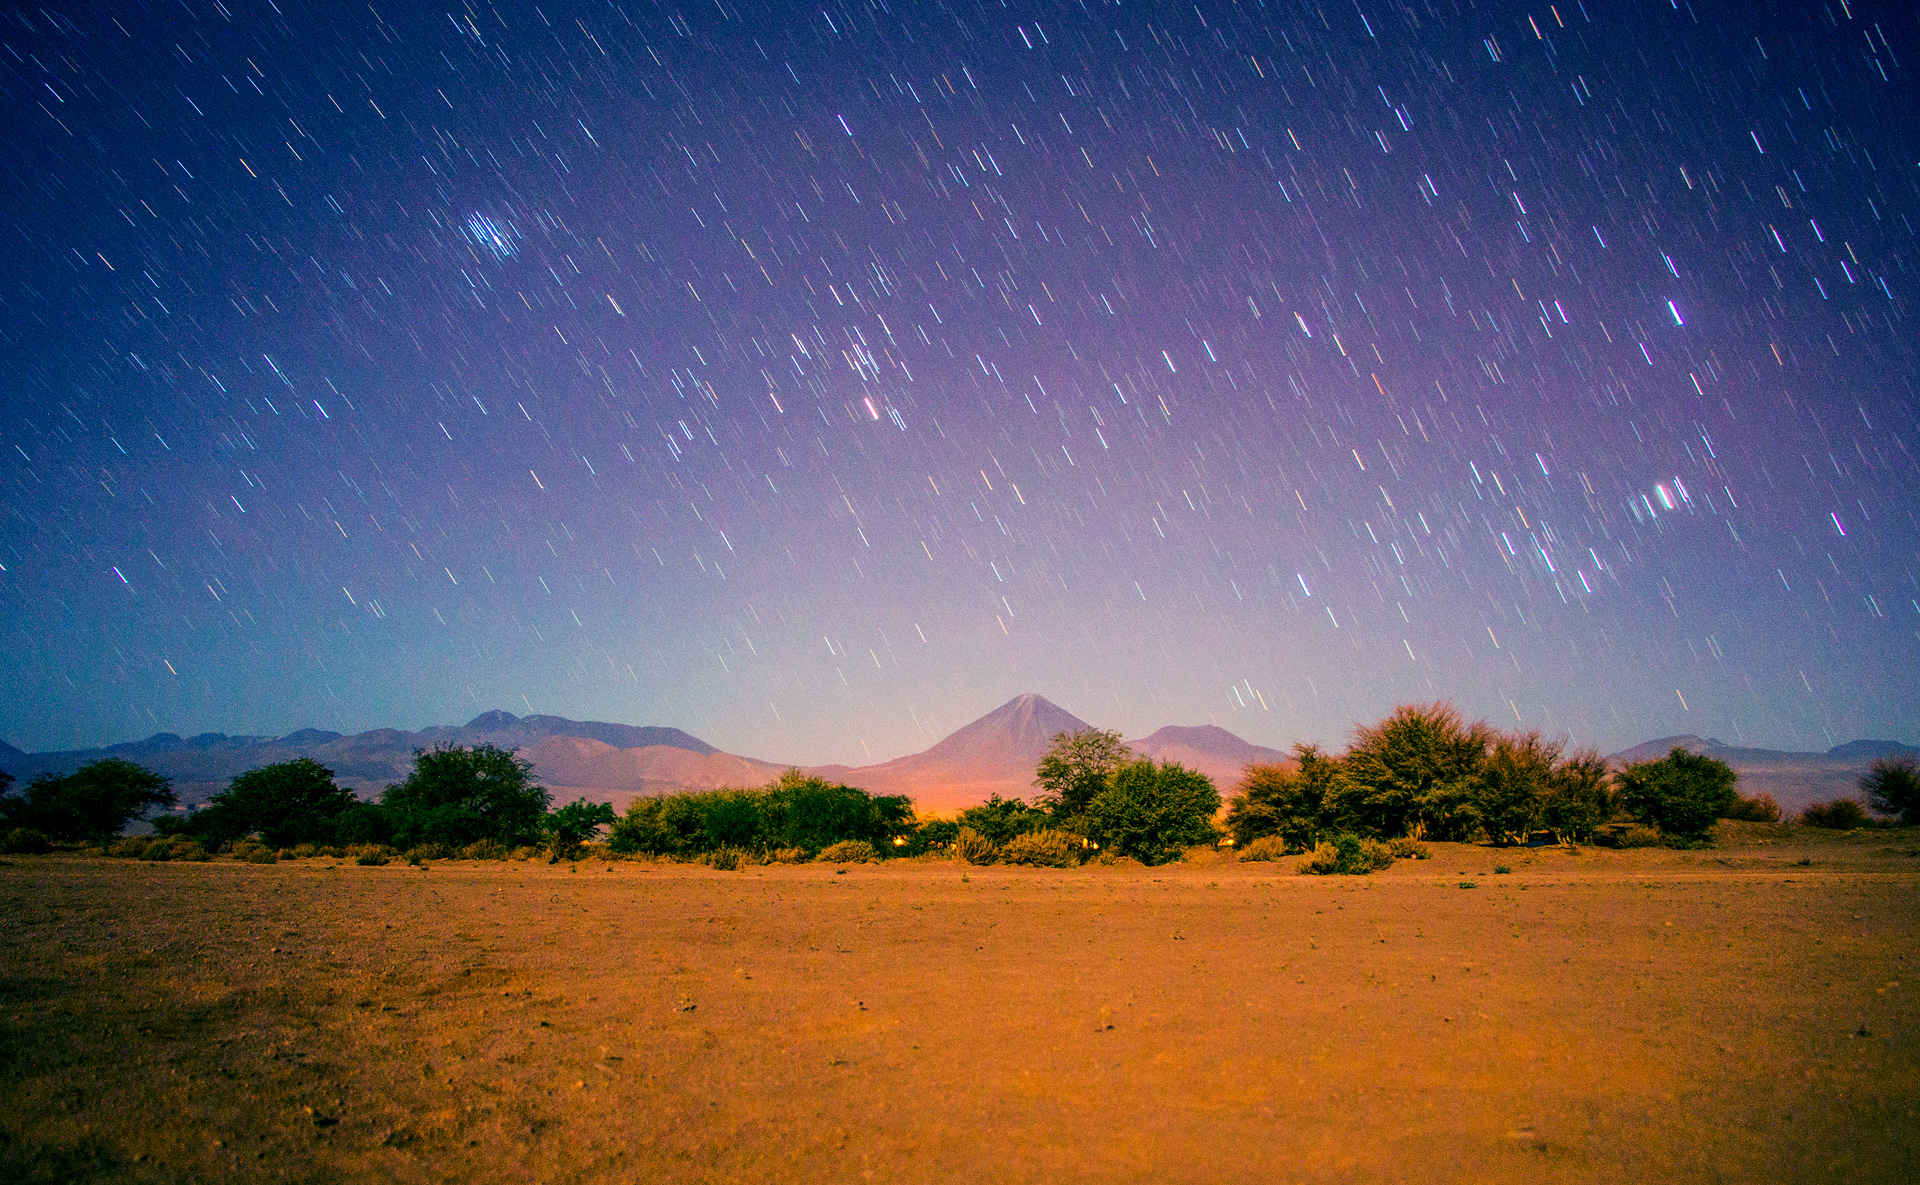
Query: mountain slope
x,y
1207,749
995,754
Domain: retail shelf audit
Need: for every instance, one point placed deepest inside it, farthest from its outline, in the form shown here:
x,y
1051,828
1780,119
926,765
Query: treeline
x,y
1425,773
455,798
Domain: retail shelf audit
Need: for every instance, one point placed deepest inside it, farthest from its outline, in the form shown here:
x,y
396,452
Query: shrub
x,y
725,859
1347,855
1289,803
131,848
1267,847
302,851
370,855
1578,799
1892,785
1638,835
1000,819
1681,794
787,855
569,827
1421,765
251,851
523,852
1761,808
974,847
936,833
1515,781
1154,811
1408,848
484,849
1046,848
25,841
848,851
1842,814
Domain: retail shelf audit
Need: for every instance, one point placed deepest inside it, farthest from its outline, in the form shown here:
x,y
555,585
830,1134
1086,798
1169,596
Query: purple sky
x,y
817,380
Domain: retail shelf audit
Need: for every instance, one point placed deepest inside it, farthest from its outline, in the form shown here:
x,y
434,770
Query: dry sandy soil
x,y
1725,1015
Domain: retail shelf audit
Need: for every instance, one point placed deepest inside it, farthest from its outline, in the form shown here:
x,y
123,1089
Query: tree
x,y
577,822
1681,794
1577,797
1153,811
811,813
92,803
1288,802
1892,785
285,804
1515,782
1419,767
999,819
1078,766
457,795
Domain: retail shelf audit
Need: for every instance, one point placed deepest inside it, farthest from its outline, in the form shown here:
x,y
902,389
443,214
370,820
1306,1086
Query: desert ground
x,y
1732,1014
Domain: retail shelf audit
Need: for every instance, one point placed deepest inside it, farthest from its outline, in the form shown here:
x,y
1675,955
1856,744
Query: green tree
x,y
1577,796
1291,803
1892,786
1078,766
811,813
663,825
574,824
1420,767
457,795
92,803
1153,811
1515,782
1000,819
1681,794
285,804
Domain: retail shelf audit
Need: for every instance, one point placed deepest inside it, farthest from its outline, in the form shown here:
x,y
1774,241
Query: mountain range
x,y
995,754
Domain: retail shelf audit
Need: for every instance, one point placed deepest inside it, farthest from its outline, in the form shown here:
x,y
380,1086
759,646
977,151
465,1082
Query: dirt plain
x,y
1731,1014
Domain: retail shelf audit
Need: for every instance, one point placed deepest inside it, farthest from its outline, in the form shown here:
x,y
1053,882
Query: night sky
x,y
817,379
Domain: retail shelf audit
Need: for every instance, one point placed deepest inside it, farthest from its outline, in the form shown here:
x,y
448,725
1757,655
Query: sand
x,y
1725,1015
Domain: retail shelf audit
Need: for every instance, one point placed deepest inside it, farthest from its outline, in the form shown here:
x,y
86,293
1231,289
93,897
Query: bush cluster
x,y
793,812
1842,814
1425,772
1347,855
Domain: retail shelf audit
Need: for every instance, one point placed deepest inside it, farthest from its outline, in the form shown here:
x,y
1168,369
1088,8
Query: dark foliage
x,y
1842,814
1761,808
92,803
1892,786
795,811
1681,794
574,824
290,803
456,796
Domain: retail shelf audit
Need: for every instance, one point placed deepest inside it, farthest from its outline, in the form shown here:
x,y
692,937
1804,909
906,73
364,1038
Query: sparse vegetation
x,y
1842,814
1347,855
1267,847
25,841
1761,808
1406,847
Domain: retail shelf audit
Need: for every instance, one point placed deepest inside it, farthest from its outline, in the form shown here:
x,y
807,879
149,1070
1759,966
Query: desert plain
x,y
1741,1013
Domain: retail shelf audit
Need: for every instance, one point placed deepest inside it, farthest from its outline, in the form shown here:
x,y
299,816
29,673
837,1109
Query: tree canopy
x,y
92,803
1681,794
456,796
1152,811
284,804
1421,766
1076,768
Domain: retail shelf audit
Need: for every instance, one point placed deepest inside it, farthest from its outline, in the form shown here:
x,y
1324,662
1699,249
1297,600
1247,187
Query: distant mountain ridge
x,y
995,754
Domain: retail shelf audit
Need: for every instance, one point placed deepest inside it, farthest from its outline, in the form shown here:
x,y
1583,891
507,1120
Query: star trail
x,y
815,379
